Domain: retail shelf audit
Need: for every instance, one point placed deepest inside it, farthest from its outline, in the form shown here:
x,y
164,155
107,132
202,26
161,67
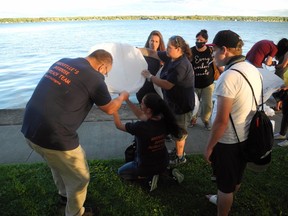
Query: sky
x,y
64,8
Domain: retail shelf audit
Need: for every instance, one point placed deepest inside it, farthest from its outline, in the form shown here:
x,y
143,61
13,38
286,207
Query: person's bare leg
x,y
224,203
180,147
237,188
279,105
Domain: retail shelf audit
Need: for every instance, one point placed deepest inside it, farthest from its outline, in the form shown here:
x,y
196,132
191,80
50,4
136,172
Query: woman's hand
x,y
146,74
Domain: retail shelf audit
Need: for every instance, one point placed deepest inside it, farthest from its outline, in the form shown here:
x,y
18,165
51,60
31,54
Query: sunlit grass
x,y
28,189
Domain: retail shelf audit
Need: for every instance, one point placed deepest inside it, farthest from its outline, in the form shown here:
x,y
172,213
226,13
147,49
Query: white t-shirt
x,y
231,84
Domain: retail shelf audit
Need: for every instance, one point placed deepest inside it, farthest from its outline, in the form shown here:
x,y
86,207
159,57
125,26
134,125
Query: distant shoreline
x,y
105,18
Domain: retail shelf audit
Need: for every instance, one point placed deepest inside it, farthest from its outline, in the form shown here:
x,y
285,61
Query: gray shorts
x,y
183,120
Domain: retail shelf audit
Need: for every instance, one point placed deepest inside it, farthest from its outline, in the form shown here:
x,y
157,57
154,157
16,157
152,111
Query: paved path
x,y
98,136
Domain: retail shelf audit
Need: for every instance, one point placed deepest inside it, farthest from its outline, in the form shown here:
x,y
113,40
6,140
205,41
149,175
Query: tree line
x,y
194,17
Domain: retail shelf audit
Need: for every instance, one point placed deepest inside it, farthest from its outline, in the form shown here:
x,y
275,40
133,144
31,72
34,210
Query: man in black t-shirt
x,y
57,108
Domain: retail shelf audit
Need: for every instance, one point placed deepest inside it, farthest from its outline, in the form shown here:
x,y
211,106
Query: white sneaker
x,y
283,144
278,136
177,175
153,183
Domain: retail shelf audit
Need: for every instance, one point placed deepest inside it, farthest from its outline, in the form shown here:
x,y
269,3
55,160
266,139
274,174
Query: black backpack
x,y
260,138
130,152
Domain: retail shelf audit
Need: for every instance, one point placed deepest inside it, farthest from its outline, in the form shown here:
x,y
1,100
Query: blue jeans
x,y
132,171
129,171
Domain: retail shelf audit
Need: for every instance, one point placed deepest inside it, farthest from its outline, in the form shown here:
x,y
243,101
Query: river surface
x,y
28,49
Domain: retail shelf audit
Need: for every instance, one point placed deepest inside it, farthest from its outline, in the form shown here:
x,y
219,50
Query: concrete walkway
x,y
98,136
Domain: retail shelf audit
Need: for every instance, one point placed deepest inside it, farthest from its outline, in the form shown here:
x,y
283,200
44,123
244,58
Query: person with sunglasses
x,y
177,82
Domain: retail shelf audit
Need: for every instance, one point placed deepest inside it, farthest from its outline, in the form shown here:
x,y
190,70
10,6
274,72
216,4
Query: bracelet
x,y
149,78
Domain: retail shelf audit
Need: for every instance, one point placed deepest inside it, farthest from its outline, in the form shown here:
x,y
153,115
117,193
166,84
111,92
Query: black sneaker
x,y
62,200
172,154
207,126
168,138
178,161
88,211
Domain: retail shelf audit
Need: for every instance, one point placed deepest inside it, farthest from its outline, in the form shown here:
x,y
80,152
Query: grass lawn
x,y
28,189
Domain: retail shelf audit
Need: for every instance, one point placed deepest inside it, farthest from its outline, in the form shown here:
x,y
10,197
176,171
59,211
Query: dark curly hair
x,y
282,46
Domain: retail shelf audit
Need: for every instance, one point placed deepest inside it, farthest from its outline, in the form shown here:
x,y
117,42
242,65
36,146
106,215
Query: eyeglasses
x,y
106,73
106,70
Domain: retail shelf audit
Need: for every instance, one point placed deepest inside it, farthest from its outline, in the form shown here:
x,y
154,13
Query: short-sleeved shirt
x,y
202,63
153,67
60,103
181,97
150,140
232,85
260,51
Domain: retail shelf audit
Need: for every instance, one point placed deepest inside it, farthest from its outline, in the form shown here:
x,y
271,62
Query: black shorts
x,y
228,165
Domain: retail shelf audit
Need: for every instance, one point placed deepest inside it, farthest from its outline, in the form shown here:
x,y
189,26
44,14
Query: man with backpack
x,y
234,98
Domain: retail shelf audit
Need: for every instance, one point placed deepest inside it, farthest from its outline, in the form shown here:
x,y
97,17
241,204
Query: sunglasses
x,y
175,38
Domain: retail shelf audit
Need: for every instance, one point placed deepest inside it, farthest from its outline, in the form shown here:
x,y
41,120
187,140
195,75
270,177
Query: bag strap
x,y
262,105
262,92
234,127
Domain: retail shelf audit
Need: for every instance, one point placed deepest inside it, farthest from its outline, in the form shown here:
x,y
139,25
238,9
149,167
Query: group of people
x,y
265,52
58,107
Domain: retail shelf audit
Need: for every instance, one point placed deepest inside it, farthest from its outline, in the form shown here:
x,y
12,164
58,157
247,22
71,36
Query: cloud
x,y
36,8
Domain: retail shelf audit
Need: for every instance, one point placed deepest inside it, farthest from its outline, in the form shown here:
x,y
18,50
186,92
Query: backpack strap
x,y
234,127
262,106
262,92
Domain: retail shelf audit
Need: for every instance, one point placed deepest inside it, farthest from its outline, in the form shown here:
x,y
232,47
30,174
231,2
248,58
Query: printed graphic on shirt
x,y
59,73
158,143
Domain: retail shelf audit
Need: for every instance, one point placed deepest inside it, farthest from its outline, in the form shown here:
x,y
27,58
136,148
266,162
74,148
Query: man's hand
x,y
124,95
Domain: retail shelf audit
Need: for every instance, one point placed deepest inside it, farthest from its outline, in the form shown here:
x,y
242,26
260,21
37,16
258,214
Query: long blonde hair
x,y
161,44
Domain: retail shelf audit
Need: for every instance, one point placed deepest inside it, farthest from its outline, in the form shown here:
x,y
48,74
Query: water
x,y
28,49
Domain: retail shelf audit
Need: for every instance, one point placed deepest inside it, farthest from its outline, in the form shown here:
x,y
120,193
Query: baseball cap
x,y
226,38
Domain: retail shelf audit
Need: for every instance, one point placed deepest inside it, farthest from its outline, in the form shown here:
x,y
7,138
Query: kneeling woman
x,y
156,122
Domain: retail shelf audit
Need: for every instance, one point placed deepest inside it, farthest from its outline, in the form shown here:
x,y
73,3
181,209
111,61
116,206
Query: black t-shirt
x,y
150,140
180,98
60,103
153,67
202,63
